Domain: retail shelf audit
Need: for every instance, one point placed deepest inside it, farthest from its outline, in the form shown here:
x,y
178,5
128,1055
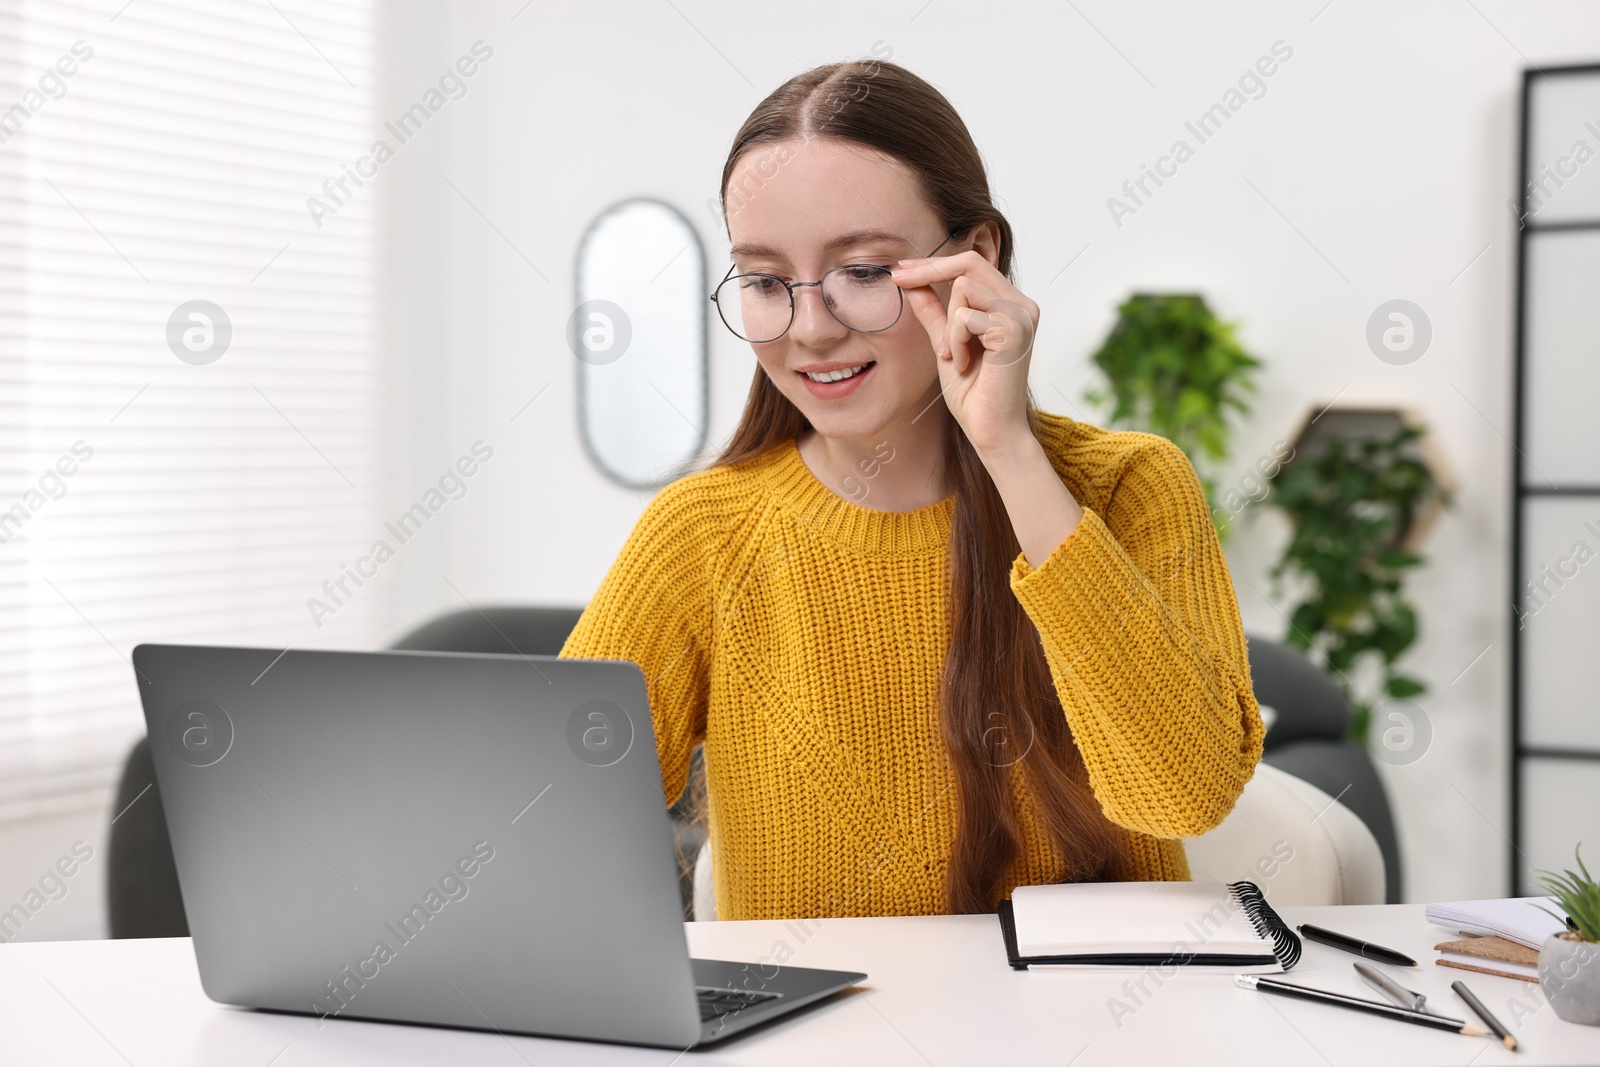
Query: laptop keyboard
x,y
716,1002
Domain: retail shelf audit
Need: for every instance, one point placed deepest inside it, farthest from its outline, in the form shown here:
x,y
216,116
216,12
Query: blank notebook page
x,y
1081,918
1515,918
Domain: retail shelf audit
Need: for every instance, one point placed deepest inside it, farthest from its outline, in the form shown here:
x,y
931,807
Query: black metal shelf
x,y
1557,227
1560,490
1542,752
1521,494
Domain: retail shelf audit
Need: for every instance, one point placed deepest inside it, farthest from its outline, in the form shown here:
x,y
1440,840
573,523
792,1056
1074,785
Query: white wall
x,y
1377,165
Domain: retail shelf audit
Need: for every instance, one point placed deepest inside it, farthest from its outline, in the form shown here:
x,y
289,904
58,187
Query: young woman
x,y
937,644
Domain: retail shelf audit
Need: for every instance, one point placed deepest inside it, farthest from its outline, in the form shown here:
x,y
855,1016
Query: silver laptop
x,y
443,838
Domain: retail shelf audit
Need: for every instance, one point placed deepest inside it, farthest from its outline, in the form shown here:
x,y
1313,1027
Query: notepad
x,y
1490,955
1515,918
1146,923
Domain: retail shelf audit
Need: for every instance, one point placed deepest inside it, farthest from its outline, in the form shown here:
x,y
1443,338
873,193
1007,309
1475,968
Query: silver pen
x,y
1396,992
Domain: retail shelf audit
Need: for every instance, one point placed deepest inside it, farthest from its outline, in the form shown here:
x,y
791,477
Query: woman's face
x,y
797,209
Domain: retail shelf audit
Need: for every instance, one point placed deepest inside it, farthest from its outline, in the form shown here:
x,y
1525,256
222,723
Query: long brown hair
x,y
996,692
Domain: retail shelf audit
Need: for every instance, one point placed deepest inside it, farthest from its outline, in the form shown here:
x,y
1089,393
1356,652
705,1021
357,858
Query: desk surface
x,y
939,992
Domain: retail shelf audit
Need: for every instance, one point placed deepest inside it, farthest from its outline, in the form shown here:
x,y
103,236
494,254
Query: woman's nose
x,y
814,325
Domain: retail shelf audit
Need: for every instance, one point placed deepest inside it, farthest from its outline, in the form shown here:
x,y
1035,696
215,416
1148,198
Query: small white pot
x,y
1569,975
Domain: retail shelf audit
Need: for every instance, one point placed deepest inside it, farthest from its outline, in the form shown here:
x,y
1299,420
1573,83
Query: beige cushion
x,y
1299,844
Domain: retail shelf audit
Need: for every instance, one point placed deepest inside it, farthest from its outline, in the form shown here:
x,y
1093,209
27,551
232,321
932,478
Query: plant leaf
x,y
1401,686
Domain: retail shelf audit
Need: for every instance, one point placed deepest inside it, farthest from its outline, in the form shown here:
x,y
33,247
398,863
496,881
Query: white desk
x,y
939,992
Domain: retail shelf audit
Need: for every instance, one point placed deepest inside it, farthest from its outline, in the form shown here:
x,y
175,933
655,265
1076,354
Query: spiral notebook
x,y
1142,924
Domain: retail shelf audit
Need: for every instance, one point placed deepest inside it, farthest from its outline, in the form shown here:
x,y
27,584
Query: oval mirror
x,y
638,330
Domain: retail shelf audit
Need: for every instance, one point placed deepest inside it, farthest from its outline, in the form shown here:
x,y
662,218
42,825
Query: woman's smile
x,y
832,381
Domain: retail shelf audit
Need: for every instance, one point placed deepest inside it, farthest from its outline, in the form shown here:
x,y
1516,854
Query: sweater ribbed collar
x,y
865,530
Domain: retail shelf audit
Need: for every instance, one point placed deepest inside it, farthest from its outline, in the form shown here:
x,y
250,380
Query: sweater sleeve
x,y
652,608
1141,629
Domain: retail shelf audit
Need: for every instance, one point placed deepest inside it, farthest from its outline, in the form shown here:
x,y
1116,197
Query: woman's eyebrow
x,y
855,237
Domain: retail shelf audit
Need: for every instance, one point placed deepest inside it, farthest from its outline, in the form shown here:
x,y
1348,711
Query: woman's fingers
x,y
944,269
961,332
948,326
979,291
975,285
1001,336
929,310
1010,335
999,333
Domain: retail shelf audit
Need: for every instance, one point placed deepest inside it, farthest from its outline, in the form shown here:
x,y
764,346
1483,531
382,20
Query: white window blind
x,y
207,500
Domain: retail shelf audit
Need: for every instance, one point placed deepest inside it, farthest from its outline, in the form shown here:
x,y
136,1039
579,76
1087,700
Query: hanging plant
x,y
1173,368
1352,506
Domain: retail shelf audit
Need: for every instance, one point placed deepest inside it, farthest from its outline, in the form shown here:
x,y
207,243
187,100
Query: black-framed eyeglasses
x,y
759,307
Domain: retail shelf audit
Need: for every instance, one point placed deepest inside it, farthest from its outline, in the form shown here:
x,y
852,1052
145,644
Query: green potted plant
x,y
1173,368
1353,504
1569,962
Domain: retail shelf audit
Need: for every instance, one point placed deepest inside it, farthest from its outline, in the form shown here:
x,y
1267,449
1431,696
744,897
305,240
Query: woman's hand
x,y
982,341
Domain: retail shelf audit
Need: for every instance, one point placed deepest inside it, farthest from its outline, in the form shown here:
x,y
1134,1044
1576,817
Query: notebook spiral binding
x,y
1285,942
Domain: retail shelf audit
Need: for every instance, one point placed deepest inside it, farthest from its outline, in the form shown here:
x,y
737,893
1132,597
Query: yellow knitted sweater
x,y
801,638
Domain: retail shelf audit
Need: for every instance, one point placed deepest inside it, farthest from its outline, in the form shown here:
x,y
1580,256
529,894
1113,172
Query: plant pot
x,y
1569,975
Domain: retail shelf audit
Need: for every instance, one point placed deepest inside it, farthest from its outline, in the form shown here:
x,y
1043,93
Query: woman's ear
x,y
986,242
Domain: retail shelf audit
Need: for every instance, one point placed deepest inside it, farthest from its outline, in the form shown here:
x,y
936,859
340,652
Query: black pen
x,y
1374,1007
1360,948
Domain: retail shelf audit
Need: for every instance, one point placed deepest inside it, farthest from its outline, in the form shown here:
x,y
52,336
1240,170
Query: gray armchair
x,y
1307,739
